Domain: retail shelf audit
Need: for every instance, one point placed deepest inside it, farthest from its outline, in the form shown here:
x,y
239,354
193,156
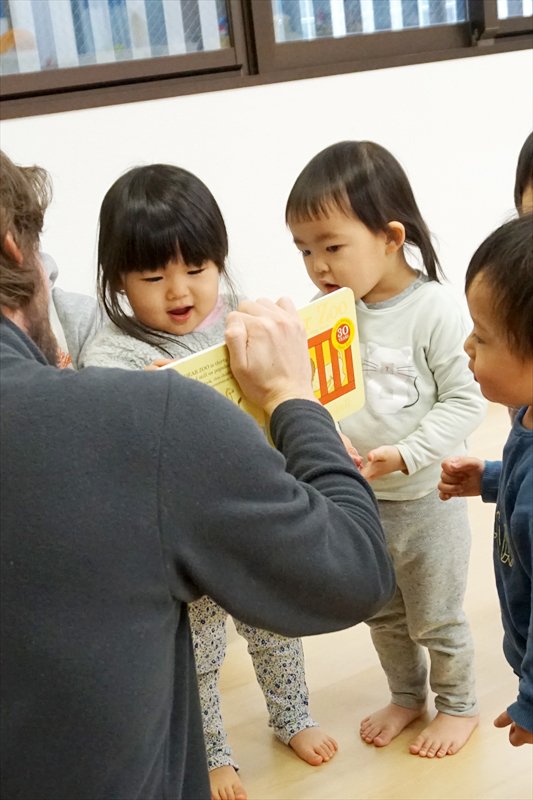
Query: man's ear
x,y
395,233
12,249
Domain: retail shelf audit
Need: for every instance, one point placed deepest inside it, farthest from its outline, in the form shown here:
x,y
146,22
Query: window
x,y
298,33
52,45
51,34
61,54
496,19
313,19
514,8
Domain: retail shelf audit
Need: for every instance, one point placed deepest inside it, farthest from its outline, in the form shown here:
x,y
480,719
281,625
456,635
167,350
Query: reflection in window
x,y
514,8
313,19
46,34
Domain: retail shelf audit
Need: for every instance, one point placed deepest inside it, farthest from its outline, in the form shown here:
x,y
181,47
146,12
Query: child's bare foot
x,y
226,785
444,736
314,746
381,727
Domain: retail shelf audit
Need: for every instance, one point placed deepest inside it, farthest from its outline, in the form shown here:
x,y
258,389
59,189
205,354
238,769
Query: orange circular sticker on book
x,y
342,334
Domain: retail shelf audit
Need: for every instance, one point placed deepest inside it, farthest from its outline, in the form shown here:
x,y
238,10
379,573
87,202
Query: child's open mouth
x,y
181,314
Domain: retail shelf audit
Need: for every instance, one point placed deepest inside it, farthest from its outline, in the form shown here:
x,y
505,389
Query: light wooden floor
x,y
346,682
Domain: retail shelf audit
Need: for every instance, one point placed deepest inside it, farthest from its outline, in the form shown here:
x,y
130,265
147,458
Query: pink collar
x,y
213,315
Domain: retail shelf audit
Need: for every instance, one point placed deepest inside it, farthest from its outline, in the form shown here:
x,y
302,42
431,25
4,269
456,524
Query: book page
x,y
333,342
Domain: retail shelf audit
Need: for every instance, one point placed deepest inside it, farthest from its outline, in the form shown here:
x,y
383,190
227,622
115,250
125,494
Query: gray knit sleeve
x,y
113,348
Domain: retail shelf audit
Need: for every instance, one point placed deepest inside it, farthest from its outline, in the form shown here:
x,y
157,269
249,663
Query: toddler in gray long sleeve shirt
x,y
162,246
352,213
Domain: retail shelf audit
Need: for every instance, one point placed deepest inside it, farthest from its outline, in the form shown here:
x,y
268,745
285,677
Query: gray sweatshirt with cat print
x,y
420,394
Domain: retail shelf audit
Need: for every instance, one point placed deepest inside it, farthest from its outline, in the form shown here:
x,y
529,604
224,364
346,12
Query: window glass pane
x,y
47,34
514,8
314,19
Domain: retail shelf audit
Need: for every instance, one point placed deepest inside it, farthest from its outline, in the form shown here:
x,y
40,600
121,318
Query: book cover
x,y
333,342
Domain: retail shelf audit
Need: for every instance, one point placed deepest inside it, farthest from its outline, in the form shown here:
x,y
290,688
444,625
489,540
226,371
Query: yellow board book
x,y
331,326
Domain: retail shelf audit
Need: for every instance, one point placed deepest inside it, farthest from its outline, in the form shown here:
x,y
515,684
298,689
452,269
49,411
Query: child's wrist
x,y
402,466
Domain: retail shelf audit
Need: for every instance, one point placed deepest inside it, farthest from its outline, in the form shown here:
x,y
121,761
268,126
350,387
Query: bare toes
x,y
382,740
370,731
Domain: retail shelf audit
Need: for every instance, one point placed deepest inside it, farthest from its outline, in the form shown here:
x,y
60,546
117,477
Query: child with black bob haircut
x,y
163,281
499,291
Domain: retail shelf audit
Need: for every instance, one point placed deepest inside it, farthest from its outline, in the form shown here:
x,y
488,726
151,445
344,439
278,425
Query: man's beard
x,y
40,332
37,323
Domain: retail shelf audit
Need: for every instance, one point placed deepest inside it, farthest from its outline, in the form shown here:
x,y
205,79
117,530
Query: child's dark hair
x,y
524,171
152,215
505,261
362,178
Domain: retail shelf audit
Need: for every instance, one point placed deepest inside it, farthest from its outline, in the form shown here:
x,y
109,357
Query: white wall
x,y
456,126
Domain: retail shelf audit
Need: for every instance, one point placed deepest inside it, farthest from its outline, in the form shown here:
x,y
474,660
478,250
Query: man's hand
x,y
517,735
460,477
382,461
268,353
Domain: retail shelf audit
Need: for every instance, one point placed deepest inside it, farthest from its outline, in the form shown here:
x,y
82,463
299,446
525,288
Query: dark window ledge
x,y
155,87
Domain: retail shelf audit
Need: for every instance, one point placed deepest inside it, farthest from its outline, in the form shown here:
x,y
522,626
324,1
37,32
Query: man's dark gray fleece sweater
x,y
124,496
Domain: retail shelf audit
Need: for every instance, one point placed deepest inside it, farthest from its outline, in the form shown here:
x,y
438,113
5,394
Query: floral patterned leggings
x,y
279,668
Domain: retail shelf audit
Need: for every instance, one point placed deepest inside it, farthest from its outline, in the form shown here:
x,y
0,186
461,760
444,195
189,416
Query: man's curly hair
x,y
25,193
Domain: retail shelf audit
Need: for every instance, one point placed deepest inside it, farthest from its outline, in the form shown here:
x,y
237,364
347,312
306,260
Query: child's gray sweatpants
x,y
429,541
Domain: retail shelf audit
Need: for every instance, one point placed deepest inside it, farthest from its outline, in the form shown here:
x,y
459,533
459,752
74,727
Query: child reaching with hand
x,y
163,246
352,212
499,292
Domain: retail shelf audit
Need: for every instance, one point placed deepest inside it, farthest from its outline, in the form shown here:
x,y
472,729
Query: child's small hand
x,y
460,477
159,362
352,452
517,735
382,461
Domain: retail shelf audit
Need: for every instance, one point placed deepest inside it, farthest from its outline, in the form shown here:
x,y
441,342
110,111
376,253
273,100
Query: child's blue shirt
x,y
510,483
